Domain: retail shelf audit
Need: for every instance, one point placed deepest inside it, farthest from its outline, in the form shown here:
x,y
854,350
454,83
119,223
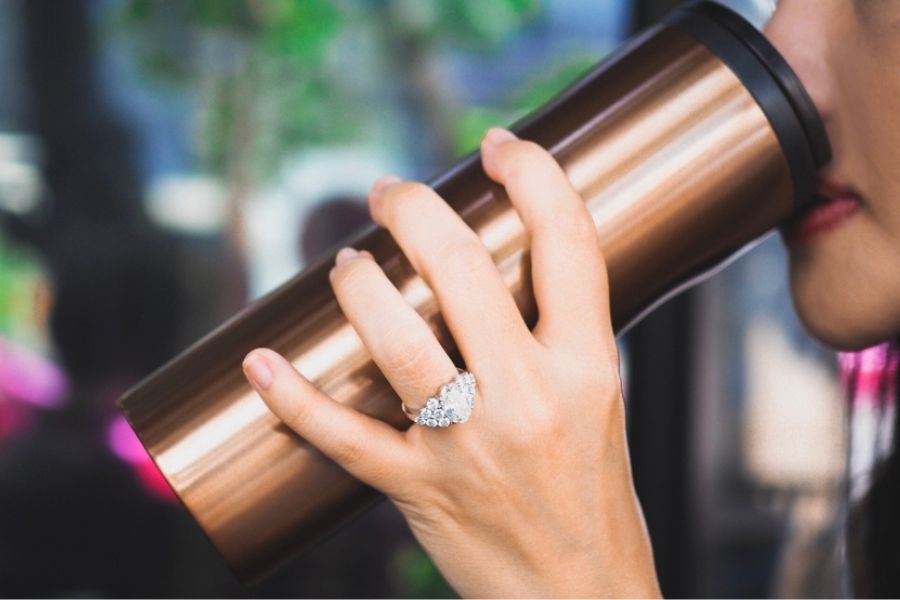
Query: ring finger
x,y
402,344
475,303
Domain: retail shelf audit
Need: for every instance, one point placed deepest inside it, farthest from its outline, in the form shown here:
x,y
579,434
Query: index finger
x,y
568,269
369,449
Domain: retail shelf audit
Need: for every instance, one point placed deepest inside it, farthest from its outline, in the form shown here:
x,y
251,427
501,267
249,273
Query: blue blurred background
x,y
164,163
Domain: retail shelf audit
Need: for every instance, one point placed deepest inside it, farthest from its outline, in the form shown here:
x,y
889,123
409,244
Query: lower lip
x,y
822,219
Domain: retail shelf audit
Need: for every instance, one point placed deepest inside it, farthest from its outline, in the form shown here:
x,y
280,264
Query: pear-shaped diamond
x,y
459,402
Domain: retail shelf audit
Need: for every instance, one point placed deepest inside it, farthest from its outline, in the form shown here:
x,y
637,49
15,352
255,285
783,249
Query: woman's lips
x,y
833,206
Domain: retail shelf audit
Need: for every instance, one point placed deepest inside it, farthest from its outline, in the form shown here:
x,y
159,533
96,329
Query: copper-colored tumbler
x,y
691,141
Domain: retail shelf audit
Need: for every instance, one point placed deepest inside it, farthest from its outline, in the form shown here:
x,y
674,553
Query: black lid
x,y
771,81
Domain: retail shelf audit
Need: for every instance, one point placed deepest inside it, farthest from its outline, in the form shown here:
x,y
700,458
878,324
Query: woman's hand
x,y
532,496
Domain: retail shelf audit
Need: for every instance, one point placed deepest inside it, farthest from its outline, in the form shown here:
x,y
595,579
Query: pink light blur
x,y
29,378
877,367
123,442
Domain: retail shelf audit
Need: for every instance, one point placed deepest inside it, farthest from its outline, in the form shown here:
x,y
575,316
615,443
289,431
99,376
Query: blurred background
x,y
164,163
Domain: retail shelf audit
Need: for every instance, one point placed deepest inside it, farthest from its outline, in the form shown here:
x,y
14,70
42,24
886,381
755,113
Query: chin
x,y
843,317
845,286
827,331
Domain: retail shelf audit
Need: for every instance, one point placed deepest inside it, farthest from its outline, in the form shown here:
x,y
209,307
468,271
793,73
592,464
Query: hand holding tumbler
x,y
690,142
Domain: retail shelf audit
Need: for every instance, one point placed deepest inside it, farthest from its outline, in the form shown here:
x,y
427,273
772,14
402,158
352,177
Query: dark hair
x,y
873,535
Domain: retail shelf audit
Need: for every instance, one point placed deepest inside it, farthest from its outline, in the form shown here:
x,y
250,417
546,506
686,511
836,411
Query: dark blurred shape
x,y
73,517
333,220
117,302
874,527
658,411
659,418
73,522
645,12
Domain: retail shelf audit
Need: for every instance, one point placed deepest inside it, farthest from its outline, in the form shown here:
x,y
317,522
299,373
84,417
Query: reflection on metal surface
x,y
679,167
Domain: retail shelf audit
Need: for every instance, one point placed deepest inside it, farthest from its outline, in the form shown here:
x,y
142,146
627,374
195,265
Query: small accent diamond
x,y
452,404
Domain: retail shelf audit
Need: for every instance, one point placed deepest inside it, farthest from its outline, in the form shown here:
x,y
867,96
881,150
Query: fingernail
x,y
383,182
498,135
345,254
258,371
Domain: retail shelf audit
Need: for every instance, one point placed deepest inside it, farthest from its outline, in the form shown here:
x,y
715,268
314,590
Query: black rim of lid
x,y
784,75
755,61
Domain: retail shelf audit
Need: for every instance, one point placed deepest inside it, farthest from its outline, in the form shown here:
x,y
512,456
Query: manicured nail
x,y
345,254
258,371
383,182
498,135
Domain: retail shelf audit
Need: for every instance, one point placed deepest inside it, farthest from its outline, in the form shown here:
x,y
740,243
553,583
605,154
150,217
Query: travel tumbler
x,y
691,141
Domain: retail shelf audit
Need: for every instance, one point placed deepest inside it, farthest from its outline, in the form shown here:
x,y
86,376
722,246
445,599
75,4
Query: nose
x,y
798,30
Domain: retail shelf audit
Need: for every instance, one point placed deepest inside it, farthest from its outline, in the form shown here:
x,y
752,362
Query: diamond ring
x,y
452,404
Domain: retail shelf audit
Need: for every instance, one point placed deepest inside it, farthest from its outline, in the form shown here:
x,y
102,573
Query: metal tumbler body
x,y
683,154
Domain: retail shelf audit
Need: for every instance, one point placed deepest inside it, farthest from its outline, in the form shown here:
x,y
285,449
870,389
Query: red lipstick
x,y
835,203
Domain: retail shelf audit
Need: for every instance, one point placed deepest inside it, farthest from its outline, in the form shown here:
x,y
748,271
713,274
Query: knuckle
x,y
348,451
536,420
352,276
535,426
299,417
406,354
598,377
462,258
581,229
400,197
544,422
523,157
425,504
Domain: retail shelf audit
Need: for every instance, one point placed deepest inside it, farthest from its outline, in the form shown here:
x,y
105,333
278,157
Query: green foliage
x,y
489,22
214,14
476,24
538,92
20,274
260,67
266,74
300,30
473,122
418,577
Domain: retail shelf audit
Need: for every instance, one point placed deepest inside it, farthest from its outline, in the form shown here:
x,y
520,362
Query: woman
x,y
533,496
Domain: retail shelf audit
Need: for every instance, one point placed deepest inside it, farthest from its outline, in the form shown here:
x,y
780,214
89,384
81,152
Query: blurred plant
x,y
269,72
475,24
418,576
473,122
259,69
23,301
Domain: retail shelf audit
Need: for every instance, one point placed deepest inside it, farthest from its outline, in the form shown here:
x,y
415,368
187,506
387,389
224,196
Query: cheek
x,y
866,85
870,151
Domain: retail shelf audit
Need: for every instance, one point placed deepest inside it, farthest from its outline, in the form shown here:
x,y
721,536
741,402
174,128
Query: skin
x,y
846,283
523,500
498,502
